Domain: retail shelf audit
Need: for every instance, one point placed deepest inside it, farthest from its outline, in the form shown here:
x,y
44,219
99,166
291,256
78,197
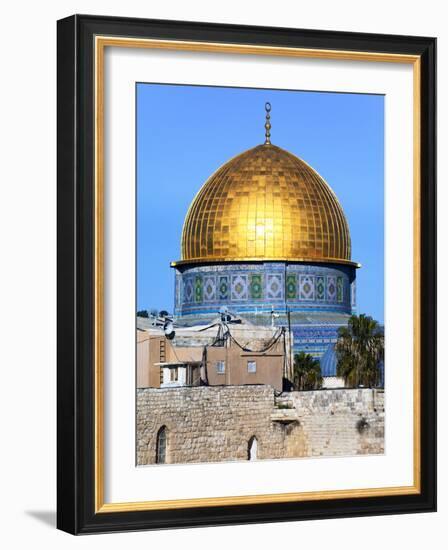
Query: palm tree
x,y
306,372
360,351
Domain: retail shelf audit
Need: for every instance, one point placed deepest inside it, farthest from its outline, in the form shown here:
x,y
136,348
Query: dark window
x,y
161,446
174,375
251,366
220,367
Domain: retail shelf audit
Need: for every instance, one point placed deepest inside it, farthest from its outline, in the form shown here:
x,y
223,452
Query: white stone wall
x,y
213,424
332,382
341,421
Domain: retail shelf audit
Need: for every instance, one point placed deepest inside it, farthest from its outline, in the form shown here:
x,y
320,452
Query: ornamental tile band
x,y
340,289
313,287
320,288
306,287
291,286
256,289
198,289
223,288
239,287
274,286
209,289
331,289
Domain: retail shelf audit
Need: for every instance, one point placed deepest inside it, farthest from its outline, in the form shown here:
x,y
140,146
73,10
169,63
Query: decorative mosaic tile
x,y
239,287
320,288
306,287
256,289
353,294
291,286
317,287
180,289
177,287
209,288
331,289
223,288
340,289
188,291
274,286
198,289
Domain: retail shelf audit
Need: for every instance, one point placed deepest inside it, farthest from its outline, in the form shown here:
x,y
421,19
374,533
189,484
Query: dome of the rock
x,y
266,238
266,204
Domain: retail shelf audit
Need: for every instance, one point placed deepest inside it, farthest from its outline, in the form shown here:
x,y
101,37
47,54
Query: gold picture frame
x,y
90,33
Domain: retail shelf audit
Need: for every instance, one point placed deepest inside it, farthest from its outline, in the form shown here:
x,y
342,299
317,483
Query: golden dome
x,y
265,204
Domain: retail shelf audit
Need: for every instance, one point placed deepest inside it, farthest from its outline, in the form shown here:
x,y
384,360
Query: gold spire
x,y
267,124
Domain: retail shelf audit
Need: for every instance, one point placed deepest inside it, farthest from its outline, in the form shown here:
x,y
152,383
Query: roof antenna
x,y
267,125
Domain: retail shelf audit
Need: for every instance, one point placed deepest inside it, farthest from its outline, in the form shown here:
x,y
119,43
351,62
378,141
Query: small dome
x,y
329,362
265,204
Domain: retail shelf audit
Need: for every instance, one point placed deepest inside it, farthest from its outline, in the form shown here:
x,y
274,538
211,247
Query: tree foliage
x,y
306,372
360,351
143,313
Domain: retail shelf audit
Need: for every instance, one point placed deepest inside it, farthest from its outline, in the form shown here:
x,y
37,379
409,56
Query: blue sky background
x,y
184,133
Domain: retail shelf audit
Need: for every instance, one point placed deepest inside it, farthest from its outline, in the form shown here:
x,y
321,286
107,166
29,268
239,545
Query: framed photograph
x,y
246,274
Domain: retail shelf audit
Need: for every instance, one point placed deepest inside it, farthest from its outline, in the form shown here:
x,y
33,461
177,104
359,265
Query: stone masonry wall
x,y
213,424
341,422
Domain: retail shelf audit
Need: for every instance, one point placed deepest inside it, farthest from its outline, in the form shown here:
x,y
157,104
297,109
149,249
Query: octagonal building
x,y
266,237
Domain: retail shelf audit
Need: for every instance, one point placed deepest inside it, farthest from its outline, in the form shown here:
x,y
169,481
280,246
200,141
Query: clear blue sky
x,y
185,132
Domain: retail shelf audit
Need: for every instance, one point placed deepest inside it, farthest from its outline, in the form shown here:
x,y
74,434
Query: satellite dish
x,y
225,316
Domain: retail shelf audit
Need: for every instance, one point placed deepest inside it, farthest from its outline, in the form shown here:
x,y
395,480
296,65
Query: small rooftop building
x,y
215,354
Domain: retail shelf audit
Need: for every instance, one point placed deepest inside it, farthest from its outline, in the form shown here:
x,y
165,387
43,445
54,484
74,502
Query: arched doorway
x,y
252,448
161,446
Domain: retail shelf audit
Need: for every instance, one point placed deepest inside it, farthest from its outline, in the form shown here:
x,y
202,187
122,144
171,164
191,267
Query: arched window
x,y
252,448
161,446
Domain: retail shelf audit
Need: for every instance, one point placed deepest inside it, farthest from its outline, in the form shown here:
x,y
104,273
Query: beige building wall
x,y
269,367
150,350
142,360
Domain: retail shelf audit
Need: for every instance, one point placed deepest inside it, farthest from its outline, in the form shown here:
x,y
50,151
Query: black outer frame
x,y
75,295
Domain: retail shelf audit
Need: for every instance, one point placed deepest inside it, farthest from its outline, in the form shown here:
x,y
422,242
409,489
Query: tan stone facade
x,y
214,424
